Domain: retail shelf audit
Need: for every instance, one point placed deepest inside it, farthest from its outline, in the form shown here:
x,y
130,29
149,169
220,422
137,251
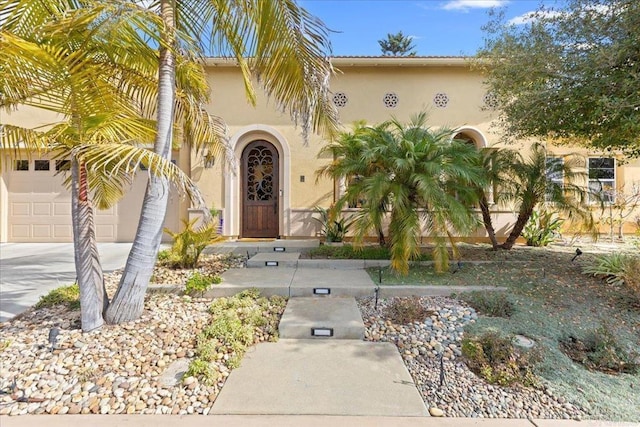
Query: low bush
x,y
164,256
617,269
542,228
495,358
204,371
68,296
407,310
352,252
494,304
599,350
189,243
200,283
236,323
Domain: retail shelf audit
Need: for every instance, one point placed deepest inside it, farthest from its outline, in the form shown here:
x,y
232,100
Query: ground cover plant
x,y
495,358
236,323
549,301
68,296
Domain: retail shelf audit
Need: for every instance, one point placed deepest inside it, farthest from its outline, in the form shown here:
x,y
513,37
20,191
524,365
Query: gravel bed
x,y
116,370
462,394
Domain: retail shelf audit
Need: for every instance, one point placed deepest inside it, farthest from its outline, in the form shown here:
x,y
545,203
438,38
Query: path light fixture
x,y
376,292
578,253
441,368
459,265
53,338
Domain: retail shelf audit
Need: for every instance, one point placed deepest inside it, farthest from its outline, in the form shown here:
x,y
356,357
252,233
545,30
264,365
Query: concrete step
x,y
274,259
331,377
322,317
253,247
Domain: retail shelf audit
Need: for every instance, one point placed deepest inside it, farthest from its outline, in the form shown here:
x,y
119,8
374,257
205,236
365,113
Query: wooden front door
x,y
260,190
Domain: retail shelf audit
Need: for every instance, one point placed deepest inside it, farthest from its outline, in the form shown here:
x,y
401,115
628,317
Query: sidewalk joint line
x,y
292,277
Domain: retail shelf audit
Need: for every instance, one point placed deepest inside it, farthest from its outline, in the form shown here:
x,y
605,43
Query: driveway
x,y
30,270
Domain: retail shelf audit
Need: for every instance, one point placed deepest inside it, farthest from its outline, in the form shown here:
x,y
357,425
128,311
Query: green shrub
x,y
495,358
494,304
189,243
202,370
164,256
236,323
4,344
64,295
407,310
351,252
200,283
334,228
541,228
617,269
600,350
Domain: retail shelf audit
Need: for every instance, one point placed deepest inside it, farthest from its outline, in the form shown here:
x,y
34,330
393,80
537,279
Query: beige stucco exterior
x,y
372,89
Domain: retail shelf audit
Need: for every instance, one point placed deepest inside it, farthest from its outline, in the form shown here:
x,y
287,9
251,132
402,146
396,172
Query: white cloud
x,y
533,16
473,4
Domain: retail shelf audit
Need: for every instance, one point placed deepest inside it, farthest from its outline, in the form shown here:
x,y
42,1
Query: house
x,y
273,190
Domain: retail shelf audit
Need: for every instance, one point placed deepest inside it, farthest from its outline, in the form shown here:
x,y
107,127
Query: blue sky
x,y
439,27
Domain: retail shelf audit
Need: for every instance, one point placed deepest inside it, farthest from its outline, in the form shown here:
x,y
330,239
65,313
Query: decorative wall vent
x,y
441,100
340,99
390,100
490,100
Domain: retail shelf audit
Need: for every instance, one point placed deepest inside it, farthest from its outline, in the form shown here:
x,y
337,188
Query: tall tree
x,y
422,176
569,74
397,45
525,183
275,42
77,60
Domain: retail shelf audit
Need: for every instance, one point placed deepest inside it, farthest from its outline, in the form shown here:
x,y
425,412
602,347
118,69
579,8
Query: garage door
x,y
39,206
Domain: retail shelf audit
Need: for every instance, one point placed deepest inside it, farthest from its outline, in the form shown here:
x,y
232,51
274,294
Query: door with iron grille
x,y
260,190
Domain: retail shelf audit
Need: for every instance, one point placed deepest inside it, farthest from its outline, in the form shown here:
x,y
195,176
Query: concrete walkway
x,y
283,421
321,377
30,270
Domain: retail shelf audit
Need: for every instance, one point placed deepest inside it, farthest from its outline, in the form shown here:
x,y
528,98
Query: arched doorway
x,y
260,190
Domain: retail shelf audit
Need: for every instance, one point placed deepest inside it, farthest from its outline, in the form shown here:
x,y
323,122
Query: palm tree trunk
x,y
486,219
523,216
93,295
128,301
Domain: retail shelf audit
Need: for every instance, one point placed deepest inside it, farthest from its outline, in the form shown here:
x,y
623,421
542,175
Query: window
x,y
555,175
602,179
63,165
21,165
41,165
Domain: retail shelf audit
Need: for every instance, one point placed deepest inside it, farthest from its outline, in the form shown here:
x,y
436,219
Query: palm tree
x,y
525,183
420,175
275,42
79,65
496,164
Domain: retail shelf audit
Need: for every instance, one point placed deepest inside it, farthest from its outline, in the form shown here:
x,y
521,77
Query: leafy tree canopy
x,y
397,45
570,74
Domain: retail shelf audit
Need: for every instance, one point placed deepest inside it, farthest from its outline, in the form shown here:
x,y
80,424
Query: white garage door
x,y
39,206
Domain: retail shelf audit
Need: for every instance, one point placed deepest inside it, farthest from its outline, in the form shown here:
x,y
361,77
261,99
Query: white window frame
x,y
606,187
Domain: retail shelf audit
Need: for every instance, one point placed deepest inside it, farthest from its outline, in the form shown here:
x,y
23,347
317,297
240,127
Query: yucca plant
x,y
334,227
617,269
541,228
